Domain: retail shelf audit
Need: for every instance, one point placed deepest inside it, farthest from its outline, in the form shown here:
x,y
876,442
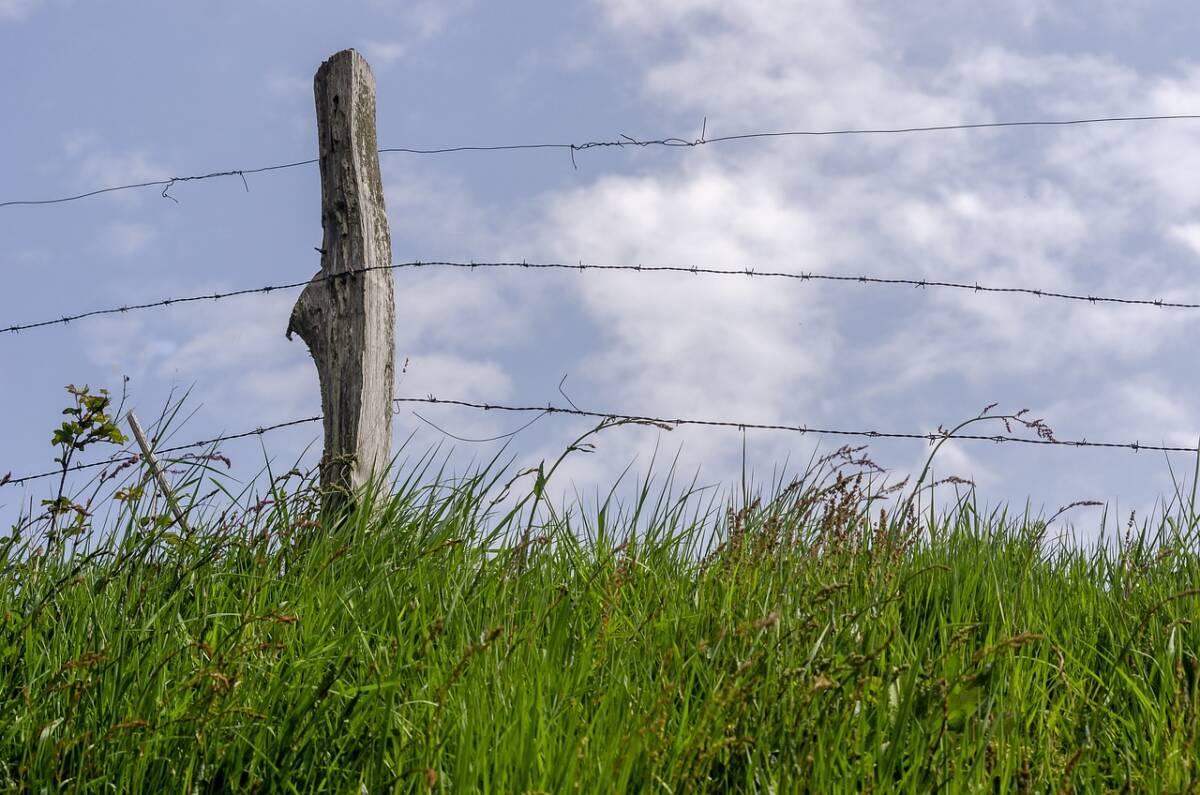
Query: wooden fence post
x,y
347,316
156,471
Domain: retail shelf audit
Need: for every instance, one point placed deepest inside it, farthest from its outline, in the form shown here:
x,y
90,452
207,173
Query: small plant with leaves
x,y
88,422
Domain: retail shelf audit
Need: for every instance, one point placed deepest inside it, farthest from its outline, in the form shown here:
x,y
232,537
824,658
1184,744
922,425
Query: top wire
x,y
619,142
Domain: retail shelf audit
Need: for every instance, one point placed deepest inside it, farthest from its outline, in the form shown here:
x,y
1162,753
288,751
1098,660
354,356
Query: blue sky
x,y
100,94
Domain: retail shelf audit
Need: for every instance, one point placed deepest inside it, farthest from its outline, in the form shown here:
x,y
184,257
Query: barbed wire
x,y
116,310
124,456
620,142
801,429
661,422
974,287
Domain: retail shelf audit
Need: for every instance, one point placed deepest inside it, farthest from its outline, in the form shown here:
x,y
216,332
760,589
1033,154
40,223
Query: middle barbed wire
x,y
662,422
802,276
933,437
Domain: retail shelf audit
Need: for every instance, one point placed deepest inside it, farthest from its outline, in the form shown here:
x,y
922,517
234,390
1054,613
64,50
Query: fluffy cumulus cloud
x,y
821,63
1104,209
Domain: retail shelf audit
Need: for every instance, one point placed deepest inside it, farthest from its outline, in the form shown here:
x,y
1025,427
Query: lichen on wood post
x,y
347,313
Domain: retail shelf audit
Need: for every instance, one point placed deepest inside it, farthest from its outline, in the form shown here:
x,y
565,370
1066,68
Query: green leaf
x,y
963,704
66,434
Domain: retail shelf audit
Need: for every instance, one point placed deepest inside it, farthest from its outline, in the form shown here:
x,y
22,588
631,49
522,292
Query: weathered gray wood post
x,y
347,315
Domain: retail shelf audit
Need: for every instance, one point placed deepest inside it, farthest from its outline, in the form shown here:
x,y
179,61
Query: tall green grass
x,y
444,636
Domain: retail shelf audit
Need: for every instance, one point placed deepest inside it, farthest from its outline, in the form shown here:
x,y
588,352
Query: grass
x,y
431,640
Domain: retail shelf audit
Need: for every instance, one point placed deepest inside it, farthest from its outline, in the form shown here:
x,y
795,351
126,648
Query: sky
x,y
99,94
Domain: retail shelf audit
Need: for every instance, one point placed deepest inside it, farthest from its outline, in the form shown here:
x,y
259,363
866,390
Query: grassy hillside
x,y
805,642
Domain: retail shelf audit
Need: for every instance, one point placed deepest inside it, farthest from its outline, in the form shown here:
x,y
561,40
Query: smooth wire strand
x,y
620,142
974,287
165,184
661,422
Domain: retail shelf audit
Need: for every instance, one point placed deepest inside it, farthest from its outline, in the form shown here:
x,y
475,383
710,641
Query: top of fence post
x,y
347,313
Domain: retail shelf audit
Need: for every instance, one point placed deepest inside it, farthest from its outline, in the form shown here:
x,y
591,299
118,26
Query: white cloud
x,y
427,18
821,63
454,376
247,373
419,202
232,349
76,142
384,52
280,388
1057,214
1157,406
440,308
120,343
1148,409
1188,235
445,374
230,336
289,86
124,239
1092,210
1030,13
415,22
696,344
17,9
92,164
110,168
1043,77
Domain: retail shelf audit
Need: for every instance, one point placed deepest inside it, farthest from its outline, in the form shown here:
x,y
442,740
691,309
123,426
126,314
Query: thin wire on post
x,y
620,142
165,184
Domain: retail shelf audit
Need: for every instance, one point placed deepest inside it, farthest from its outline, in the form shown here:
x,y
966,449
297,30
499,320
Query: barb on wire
x,y
941,435
620,142
974,287
122,457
